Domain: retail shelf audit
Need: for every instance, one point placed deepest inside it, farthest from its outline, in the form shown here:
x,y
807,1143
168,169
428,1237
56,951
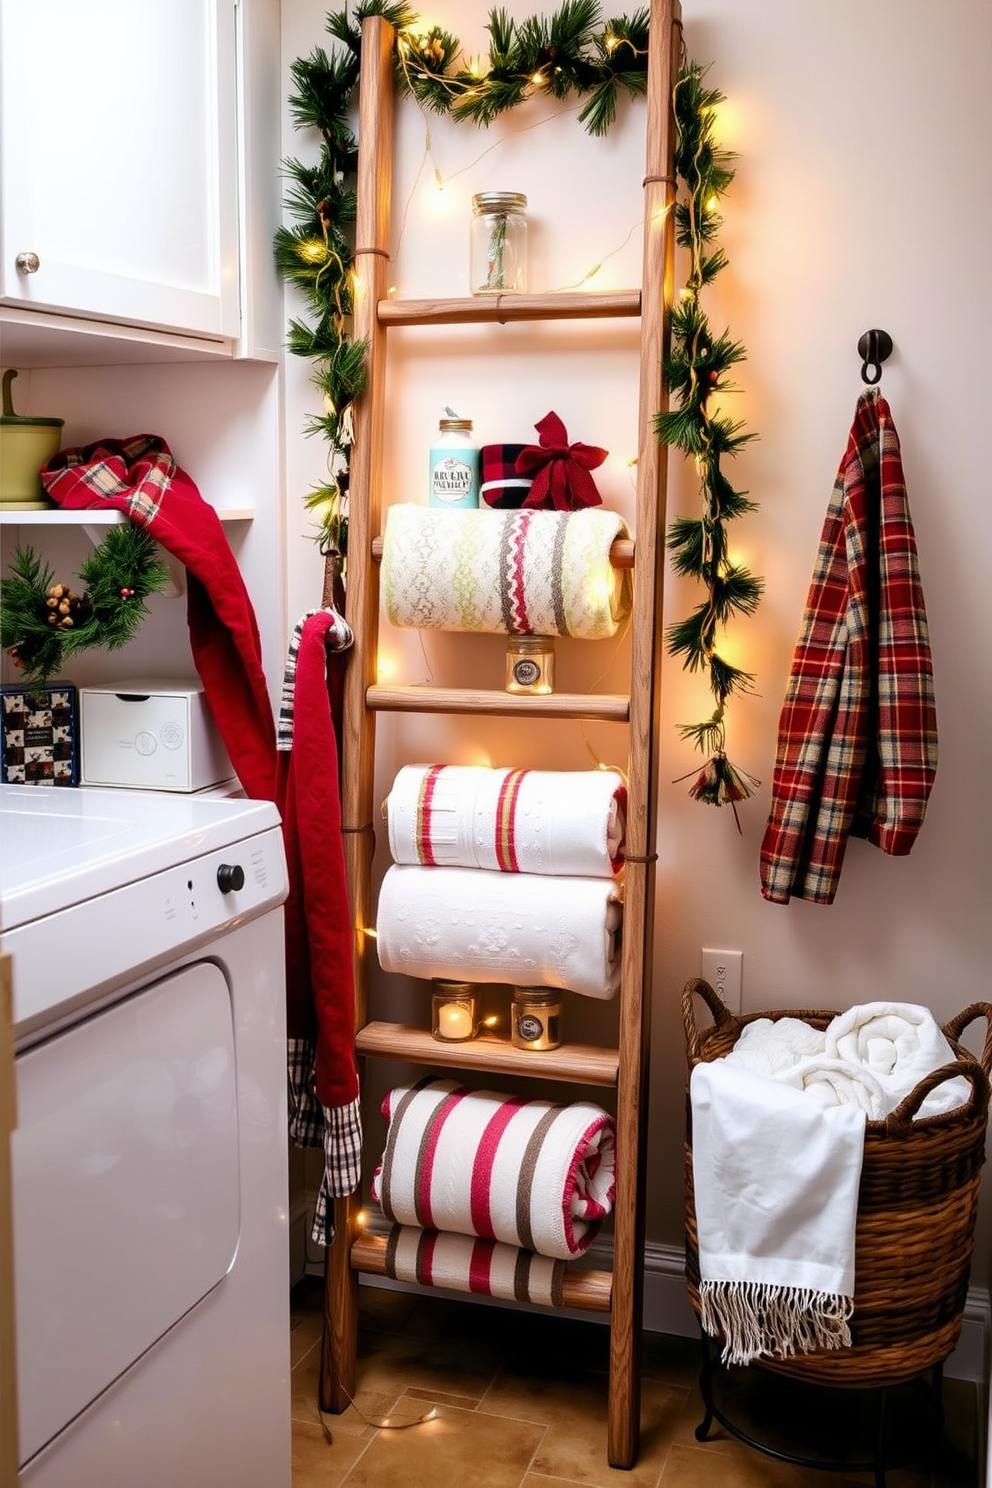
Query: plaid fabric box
x,y
40,734
502,484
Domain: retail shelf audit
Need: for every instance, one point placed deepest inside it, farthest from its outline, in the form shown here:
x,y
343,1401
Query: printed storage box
x,y
40,740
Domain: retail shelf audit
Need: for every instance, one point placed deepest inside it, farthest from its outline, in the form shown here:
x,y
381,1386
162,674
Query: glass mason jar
x,y
536,1018
498,260
454,1011
530,663
454,467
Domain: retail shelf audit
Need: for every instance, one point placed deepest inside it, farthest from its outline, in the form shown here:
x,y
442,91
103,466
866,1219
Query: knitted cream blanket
x,y
513,572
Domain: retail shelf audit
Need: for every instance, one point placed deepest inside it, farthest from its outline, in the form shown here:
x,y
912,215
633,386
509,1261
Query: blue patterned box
x,y
40,734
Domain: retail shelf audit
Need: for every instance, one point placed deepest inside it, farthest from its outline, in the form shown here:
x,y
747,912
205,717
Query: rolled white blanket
x,y
774,1046
510,821
526,1172
469,924
515,572
835,1082
897,1043
466,1263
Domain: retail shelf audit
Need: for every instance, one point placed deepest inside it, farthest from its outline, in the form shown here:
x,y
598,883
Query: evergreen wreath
x,y
44,622
694,371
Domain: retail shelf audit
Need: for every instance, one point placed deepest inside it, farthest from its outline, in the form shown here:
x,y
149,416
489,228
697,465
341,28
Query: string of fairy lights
x,y
576,59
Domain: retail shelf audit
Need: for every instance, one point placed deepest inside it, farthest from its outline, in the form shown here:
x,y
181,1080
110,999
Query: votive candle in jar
x,y
530,663
498,259
535,1021
454,1011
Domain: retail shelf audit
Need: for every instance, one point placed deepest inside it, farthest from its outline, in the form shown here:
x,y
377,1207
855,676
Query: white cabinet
x,y
118,133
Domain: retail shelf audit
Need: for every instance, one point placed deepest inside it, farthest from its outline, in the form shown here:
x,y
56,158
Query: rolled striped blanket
x,y
510,821
465,1263
526,1172
512,572
468,924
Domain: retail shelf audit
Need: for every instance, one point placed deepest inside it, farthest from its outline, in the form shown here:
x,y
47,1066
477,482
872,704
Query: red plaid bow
x,y
561,479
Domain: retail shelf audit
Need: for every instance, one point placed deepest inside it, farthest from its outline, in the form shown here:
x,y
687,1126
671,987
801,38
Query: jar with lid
x,y
455,464
530,663
454,1011
536,1018
498,259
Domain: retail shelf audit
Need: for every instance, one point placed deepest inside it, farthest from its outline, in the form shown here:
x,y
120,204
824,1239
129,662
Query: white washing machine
x,y
149,1161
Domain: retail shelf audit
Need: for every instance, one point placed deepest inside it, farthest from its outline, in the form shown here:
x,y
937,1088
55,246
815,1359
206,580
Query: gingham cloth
x,y
857,743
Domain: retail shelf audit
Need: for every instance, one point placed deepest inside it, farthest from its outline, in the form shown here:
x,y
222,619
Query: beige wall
x,y
861,200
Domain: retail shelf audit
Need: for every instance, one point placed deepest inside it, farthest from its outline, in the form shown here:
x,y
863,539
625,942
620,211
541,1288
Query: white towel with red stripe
x,y
528,1173
466,1263
565,822
470,924
505,572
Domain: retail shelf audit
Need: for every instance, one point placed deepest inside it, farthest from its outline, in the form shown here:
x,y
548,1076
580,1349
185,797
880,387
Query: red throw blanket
x,y
857,745
139,477
319,939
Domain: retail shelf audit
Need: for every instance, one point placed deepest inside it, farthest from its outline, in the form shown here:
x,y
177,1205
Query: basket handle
x,y
955,1028
722,1016
900,1121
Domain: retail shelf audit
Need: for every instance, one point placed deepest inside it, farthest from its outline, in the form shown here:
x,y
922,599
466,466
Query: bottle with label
x,y
455,467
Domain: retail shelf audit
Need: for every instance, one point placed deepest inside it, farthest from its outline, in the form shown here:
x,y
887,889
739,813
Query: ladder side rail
x,y
375,135
645,701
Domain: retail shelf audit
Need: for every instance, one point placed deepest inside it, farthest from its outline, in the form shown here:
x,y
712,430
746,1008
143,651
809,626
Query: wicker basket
x,y
916,1212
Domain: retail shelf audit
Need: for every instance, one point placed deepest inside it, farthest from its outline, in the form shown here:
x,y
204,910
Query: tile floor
x,y
521,1400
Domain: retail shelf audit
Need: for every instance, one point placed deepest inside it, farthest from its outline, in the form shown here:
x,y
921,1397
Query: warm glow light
x,y
612,42
361,1219
386,666
712,204
313,250
492,1022
454,1021
538,79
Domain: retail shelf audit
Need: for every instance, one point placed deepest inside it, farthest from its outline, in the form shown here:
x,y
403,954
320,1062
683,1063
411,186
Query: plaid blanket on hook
x,y
857,743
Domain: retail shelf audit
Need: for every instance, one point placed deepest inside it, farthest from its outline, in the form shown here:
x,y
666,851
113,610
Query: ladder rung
x,y
589,1290
581,1064
603,707
621,552
501,309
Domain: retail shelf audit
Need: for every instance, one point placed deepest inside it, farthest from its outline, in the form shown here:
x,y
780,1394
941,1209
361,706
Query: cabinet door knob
x,y
27,263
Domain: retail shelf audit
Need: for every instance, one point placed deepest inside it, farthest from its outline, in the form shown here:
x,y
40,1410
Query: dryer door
x,y
126,1191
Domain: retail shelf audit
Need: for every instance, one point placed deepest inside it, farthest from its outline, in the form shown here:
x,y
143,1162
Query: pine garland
x,y
569,53
695,370
43,622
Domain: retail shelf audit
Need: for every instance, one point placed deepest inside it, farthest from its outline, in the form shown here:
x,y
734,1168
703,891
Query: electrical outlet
x,y
723,970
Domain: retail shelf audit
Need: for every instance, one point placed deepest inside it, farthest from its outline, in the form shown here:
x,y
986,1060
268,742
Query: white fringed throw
x,y
776,1181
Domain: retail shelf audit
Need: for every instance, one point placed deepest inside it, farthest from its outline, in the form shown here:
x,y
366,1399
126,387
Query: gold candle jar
x,y
454,1011
535,1018
530,663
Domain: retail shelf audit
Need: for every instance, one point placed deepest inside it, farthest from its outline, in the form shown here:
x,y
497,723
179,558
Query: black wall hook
x,y
874,347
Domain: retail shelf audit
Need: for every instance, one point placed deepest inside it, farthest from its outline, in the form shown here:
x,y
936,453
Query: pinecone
x,y
65,607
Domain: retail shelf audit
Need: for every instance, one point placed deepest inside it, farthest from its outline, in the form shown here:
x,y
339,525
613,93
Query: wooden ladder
x,y
618,1292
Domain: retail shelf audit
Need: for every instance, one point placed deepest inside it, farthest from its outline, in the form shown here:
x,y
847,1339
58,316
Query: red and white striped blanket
x,y
526,1172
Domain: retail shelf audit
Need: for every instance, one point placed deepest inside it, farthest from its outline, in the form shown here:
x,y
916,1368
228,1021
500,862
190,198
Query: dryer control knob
x,y
230,876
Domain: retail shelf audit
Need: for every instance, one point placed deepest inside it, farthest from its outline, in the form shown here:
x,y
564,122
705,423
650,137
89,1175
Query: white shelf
x,y
87,517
